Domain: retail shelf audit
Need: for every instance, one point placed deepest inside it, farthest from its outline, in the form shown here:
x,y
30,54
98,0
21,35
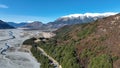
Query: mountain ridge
x,y
34,25
64,20
91,14
4,25
87,45
17,25
78,18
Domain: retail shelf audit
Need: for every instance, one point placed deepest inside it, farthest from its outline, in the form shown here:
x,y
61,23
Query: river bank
x,y
41,56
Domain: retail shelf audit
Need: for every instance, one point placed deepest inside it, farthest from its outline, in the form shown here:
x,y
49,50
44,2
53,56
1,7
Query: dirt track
x,y
54,61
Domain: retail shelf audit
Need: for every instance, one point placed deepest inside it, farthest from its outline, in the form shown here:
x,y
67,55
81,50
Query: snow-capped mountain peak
x,y
90,14
80,18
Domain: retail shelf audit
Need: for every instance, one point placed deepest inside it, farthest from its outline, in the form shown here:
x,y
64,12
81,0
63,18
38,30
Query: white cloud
x,y
3,6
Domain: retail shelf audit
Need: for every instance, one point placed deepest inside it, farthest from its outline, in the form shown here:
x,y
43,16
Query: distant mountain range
x,y
17,24
34,25
4,25
62,21
78,18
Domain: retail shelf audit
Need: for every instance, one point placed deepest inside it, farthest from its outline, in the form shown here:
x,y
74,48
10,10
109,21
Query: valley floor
x,y
17,56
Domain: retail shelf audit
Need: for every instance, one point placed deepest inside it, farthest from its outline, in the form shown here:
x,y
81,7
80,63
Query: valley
x,y
89,42
59,33
16,57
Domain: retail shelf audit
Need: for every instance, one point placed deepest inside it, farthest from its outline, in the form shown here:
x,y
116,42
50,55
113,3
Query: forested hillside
x,y
92,45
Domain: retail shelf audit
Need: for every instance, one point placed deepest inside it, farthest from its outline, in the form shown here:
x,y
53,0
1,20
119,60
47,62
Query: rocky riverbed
x,y
16,57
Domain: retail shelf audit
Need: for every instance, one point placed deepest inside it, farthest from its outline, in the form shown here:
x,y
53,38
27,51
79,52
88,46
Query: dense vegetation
x,y
29,41
65,54
84,45
102,61
44,61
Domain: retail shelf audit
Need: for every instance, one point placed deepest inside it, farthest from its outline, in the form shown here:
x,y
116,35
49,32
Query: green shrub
x,y
115,58
64,54
101,61
86,30
44,61
87,53
29,41
103,38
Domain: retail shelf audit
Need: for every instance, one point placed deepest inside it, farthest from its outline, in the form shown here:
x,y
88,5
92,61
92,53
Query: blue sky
x,y
49,10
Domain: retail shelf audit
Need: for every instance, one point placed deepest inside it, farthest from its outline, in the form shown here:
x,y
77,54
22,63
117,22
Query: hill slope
x,y
4,25
91,45
17,25
35,25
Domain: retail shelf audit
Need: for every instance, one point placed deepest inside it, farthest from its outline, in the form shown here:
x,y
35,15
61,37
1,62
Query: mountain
x,y
87,45
4,25
62,21
17,25
78,18
34,25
